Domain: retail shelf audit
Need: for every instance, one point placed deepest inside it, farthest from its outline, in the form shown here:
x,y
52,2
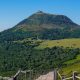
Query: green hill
x,y
41,42
41,25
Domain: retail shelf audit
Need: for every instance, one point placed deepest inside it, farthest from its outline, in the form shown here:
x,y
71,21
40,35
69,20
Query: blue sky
x,y
14,11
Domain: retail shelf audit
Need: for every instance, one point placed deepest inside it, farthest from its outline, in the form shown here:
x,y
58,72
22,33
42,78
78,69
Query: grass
x,y
72,65
73,61
8,73
68,70
74,42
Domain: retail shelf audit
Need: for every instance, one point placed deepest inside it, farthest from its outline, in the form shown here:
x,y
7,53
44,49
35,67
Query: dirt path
x,y
48,76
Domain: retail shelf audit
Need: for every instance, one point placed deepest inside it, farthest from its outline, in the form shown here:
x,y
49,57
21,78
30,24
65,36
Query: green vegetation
x,y
42,43
72,43
22,54
42,26
67,71
70,66
77,59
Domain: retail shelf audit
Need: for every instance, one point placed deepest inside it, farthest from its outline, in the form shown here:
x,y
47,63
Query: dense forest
x,y
15,55
48,34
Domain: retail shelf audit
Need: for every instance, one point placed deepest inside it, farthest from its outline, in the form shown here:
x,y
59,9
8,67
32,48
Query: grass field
x,y
74,42
73,61
72,65
68,70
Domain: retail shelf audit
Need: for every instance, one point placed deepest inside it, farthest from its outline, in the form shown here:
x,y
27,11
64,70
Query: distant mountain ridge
x,y
42,25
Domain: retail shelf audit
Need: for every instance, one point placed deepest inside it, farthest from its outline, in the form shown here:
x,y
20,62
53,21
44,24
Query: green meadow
x,y
71,65
72,43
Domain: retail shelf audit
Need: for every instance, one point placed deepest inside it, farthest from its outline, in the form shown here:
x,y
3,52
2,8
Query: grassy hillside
x,y
77,59
68,70
71,65
75,43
